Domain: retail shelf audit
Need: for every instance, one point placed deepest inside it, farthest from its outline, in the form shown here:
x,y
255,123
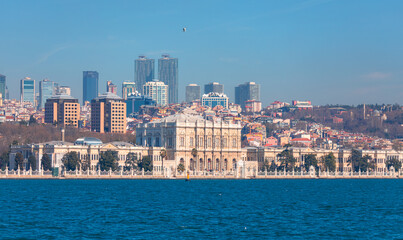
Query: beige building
x,y
108,114
342,155
217,144
62,109
87,149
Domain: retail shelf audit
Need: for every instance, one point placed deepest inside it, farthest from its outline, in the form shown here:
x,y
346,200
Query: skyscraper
x,y
90,85
213,87
3,86
128,88
168,73
247,91
47,89
143,71
158,91
192,92
27,90
108,114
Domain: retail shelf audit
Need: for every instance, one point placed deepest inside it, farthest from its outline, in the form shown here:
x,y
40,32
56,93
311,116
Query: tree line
x,y
357,161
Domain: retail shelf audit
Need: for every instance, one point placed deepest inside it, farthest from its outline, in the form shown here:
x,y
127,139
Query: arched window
x,y
191,164
201,164
217,164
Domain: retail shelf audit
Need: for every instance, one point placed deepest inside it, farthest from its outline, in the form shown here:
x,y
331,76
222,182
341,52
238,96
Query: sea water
x,y
201,209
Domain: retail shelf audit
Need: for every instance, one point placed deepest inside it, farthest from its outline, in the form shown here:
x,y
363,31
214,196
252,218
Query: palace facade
x,y
197,143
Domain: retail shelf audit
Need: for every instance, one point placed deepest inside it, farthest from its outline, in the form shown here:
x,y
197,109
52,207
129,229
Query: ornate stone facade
x,y
197,143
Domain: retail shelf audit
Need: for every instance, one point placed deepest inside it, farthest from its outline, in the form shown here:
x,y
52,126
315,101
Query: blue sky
x,y
330,52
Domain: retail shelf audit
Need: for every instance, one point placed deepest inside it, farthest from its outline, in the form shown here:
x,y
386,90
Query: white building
x,y
158,91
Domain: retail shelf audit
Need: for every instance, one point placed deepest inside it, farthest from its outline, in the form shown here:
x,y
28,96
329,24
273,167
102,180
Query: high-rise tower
x,y
143,71
168,73
47,89
192,92
90,85
247,91
213,87
27,90
3,86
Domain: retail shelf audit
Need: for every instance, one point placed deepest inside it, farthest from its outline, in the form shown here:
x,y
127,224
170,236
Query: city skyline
x,y
318,50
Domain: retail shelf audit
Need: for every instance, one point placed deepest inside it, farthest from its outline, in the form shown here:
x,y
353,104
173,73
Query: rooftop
x,y
108,95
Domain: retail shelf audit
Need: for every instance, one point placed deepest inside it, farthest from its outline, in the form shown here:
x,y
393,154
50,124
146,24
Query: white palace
x,y
200,145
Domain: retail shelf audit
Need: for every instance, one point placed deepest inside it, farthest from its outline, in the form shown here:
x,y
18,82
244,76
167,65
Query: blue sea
x,y
201,209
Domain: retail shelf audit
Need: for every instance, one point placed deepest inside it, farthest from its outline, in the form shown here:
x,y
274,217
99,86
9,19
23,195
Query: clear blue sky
x,y
345,52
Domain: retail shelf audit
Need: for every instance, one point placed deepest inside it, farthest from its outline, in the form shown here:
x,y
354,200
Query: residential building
x,y
47,89
192,92
27,90
128,88
245,92
213,87
63,90
253,106
63,110
3,86
168,73
214,99
143,71
108,114
135,101
302,104
90,85
112,88
158,91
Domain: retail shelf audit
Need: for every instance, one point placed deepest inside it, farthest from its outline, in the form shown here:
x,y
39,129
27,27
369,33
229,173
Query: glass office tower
x,y
247,91
27,90
90,85
47,89
168,73
143,71
213,87
3,86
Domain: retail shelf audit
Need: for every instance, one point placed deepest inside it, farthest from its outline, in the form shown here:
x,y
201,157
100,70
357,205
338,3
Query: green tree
x,y
287,159
109,160
146,163
32,120
19,161
329,162
86,164
181,167
32,162
4,160
46,162
71,161
310,160
395,163
273,166
131,162
359,162
266,165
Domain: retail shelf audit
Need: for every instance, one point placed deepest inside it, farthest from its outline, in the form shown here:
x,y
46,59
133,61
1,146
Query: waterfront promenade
x,y
139,174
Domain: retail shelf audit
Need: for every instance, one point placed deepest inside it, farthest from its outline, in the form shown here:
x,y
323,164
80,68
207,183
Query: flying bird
x,y
184,29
